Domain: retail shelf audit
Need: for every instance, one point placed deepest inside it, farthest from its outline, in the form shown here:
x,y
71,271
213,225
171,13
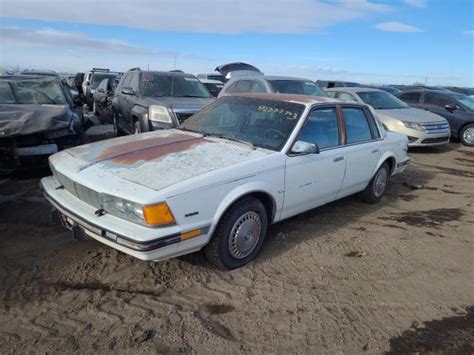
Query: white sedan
x,y
219,180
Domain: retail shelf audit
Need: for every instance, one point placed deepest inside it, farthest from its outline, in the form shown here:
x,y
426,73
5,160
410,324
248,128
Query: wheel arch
x,y
262,194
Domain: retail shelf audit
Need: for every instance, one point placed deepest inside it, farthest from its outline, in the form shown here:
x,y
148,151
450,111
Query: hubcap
x,y
245,235
468,135
380,182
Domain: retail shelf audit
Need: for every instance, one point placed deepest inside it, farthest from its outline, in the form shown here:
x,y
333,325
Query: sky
x,y
369,41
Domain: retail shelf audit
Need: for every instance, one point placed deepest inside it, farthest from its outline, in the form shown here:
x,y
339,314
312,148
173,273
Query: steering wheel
x,y
274,132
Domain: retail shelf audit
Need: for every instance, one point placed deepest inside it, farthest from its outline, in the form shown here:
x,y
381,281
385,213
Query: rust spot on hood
x,y
150,148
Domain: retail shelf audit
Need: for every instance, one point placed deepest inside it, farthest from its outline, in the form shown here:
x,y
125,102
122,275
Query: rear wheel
x,y
239,235
467,135
374,191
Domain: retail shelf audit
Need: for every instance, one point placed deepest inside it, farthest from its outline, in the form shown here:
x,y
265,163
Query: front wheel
x,y
374,191
137,127
239,235
467,135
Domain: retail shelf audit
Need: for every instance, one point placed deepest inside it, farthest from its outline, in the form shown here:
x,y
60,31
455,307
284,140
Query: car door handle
x,y
375,151
338,159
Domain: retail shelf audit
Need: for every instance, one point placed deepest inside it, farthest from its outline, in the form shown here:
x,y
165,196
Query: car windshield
x,y
97,78
262,123
297,87
34,92
466,101
381,100
172,85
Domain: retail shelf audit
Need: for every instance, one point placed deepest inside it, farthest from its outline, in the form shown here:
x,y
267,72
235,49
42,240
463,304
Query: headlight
x,y
149,215
159,114
414,125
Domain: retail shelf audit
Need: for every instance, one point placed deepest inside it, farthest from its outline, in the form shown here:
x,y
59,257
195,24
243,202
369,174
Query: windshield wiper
x,y
198,96
223,136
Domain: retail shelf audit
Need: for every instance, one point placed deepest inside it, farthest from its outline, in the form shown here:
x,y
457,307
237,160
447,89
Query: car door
x,y
100,93
315,179
436,103
127,103
362,148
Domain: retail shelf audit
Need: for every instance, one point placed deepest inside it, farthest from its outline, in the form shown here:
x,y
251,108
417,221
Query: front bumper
x,y
142,242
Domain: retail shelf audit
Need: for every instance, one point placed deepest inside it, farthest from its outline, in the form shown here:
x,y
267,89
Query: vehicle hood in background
x,y
179,104
20,120
159,159
410,115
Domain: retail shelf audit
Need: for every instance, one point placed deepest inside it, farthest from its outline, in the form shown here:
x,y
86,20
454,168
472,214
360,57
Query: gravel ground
x,y
344,278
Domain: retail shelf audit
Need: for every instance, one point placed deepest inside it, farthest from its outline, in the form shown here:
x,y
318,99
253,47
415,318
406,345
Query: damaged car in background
x,y
217,182
151,100
38,117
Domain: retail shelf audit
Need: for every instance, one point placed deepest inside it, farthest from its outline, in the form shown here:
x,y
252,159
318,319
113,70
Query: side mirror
x,y
304,148
128,91
450,108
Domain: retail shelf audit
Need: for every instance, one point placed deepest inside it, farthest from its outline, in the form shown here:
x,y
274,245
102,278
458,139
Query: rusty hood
x,y
162,158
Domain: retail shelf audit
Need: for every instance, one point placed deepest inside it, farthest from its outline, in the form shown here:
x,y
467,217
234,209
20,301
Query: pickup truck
x,y
222,177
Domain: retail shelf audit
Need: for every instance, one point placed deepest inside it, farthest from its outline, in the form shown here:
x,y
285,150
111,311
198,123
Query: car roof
x,y
169,73
213,74
29,77
210,81
355,89
275,77
301,99
439,92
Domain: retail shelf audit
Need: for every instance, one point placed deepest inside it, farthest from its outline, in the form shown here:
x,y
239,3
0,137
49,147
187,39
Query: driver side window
x,y
321,128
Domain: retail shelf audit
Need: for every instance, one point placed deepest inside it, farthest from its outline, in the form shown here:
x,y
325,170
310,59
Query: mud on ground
x,y
344,278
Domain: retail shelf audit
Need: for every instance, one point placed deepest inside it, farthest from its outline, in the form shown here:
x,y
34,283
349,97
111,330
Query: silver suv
x,y
270,84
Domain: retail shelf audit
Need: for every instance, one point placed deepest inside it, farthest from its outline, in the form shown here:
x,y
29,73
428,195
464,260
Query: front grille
x,y
83,193
435,140
436,128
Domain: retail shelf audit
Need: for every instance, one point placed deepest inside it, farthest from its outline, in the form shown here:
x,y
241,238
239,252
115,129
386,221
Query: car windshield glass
x,y
381,100
97,78
466,101
33,92
297,87
263,123
172,85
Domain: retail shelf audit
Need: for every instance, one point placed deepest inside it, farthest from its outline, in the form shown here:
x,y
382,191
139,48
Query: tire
x,y
374,191
137,127
466,135
230,249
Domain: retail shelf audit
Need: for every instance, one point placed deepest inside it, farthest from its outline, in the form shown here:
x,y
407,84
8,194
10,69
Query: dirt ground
x,y
342,279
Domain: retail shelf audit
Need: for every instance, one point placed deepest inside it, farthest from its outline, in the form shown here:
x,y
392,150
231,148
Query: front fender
x,y
241,191
141,113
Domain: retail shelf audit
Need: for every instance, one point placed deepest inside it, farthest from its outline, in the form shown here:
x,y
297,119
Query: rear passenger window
x,y
412,97
437,100
357,126
345,97
321,128
240,86
258,87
